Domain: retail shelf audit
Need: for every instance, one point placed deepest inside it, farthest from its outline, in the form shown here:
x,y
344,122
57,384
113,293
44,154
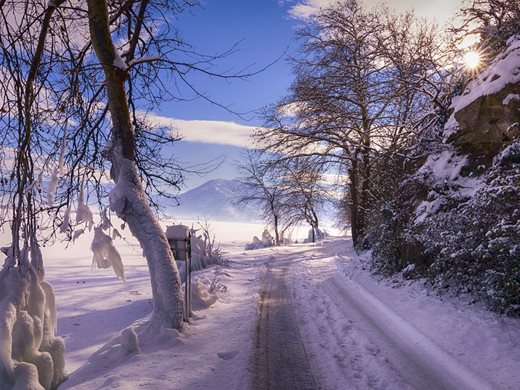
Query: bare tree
x,y
493,22
128,198
364,84
261,188
304,192
77,81
28,316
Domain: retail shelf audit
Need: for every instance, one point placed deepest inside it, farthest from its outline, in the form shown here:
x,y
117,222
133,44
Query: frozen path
x,y
280,362
413,360
358,338
324,323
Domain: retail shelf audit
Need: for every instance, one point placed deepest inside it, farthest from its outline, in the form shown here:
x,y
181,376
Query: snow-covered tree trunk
x,y
354,201
128,199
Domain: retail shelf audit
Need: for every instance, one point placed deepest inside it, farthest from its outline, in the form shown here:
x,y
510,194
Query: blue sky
x,y
264,31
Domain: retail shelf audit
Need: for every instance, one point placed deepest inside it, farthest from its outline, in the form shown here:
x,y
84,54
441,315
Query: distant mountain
x,y
215,200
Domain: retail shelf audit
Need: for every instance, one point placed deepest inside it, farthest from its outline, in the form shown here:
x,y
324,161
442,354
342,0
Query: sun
x,y
472,60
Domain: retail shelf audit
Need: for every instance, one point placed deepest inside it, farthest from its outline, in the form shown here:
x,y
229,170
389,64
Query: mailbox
x,y
179,238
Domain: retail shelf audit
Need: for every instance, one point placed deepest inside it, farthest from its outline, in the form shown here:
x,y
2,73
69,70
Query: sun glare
x,y
472,60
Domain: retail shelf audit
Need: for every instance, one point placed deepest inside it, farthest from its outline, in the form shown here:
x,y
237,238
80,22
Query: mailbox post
x,y
179,238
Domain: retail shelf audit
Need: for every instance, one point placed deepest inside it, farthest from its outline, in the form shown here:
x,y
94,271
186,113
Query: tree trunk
x,y
276,233
316,227
127,198
364,192
354,201
312,219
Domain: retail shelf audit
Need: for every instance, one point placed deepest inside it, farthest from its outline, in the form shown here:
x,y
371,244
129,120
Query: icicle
x,y
53,185
8,318
37,260
105,220
58,171
83,213
66,221
40,179
24,257
105,255
50,307
77,233
115,234
62,152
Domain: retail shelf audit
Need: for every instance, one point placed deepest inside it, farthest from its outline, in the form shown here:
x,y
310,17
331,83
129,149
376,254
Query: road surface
x,y
281,361
369,346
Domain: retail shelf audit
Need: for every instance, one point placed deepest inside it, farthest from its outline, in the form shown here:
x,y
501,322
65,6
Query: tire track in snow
x,y
280,361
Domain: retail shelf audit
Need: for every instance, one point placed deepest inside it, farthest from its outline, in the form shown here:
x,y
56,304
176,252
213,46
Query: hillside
x,y
456,220
215,200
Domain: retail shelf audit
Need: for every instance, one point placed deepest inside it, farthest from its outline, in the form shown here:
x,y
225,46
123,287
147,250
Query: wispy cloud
x,y
440,10
207,131
305,9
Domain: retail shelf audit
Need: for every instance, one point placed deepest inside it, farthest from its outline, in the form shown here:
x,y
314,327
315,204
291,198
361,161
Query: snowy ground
x,y
347,320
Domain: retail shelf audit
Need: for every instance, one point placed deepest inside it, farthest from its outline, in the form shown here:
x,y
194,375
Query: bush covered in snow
x,y
266,241
456,220
31,357
465,238
204,251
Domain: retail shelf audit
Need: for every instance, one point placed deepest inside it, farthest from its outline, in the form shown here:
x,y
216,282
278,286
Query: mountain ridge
x,y
215,200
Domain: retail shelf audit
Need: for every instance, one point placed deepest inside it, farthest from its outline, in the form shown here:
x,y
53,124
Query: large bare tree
x,y
364,84
77,81
128,198
260,188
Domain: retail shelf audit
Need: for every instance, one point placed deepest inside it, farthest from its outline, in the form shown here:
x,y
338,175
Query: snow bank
x,y
212,352
201,298
266,241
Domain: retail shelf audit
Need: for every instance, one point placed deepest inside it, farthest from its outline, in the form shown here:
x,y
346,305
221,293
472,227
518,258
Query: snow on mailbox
x,y
179,238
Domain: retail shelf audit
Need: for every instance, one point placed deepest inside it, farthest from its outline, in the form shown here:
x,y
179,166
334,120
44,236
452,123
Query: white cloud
x,y
207,131
292,109
307,8
441,10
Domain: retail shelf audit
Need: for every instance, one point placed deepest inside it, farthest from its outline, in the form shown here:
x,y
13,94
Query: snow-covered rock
x,y
456,220
487,114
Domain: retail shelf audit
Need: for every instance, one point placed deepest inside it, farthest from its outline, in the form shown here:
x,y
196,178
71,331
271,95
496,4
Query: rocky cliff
x,y
456,220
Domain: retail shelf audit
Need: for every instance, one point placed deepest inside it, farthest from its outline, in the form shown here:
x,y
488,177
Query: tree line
x,y
371,94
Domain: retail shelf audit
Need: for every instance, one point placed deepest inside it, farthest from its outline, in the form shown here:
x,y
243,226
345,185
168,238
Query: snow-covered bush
x,y
266,241
204,251
314,235
456,220
202,297
31,357
466,238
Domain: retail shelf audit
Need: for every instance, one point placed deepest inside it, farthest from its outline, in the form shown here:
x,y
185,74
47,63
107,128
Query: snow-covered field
x,y
464,344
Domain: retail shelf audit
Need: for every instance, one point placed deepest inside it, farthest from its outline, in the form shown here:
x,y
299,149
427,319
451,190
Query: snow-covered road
x,y
328,320
410,359
280,361
357,341
362,340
